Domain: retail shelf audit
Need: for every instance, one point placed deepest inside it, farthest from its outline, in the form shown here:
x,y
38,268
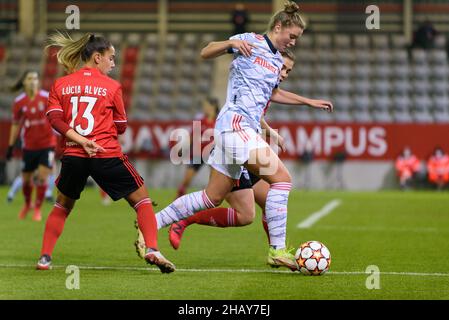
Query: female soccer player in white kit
x,y
253,80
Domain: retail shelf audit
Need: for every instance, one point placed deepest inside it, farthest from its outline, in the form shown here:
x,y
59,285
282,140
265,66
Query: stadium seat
x,y
204,86
344,56
342,101
186,86
362,86
145,86
151,40
381,102
342,41
184,102
362,71
382,56
362,116
166,86
343,116
380,41
150,55
172,40
381,86
323,41
400,57
170,55
438,57
382,116
116,38
440,41
190,40
361,41
420,86
382,71
305,41
301,114
148,70
398,41
341,71
133,39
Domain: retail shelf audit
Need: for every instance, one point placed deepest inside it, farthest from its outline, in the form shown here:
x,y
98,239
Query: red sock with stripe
x,y
217,217
147,222
53,228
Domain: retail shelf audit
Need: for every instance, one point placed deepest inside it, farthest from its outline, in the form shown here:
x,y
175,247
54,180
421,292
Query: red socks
x,y
147,222
40,195
217,217
27,190
53,228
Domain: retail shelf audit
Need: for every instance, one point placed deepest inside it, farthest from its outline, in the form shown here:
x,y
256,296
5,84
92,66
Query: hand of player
x,y
321,104
280,141
92,148
244,47
9,152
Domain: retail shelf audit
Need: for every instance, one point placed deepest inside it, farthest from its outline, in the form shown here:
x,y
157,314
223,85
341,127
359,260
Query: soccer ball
x,y
313,258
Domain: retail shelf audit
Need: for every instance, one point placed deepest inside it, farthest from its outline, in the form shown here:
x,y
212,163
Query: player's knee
x,y
246,218
216,200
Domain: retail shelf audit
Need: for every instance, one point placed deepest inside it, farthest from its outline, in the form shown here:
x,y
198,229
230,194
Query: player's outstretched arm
x,y
287,97
218,48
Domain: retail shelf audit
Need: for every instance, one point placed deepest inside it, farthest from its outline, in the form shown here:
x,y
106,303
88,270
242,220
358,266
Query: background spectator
x,y
438,168
407,166
240,18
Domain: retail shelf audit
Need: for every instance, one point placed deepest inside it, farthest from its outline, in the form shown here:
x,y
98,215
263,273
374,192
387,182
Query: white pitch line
x,y
124,268
314,217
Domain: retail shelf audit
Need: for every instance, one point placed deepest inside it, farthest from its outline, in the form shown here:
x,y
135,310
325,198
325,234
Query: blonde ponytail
x,y
74,52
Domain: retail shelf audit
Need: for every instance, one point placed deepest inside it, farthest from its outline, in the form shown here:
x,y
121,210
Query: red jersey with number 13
x,y
91,103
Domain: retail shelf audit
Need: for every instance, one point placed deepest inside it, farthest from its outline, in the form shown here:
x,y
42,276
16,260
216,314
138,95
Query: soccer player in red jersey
x,y
207,119
86,108
38,140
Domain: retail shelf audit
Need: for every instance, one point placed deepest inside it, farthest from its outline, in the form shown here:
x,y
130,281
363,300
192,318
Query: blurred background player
x,y
407,166
438,168
18,182
207,119
86,107
38,140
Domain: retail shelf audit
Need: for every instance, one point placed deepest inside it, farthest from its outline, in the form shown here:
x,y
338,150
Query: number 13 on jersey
x,y
86,115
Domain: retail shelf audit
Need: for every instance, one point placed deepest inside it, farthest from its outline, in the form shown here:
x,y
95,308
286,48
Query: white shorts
x,y
232,149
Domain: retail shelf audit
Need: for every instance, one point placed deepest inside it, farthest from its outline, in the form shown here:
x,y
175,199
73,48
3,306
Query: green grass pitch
x,y
406,235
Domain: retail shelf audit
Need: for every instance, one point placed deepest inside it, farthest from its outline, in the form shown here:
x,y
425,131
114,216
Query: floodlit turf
x,y
406,235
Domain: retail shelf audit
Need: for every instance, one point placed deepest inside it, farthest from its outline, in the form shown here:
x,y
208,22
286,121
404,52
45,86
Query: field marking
x,y
314,217
125,268
380,228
